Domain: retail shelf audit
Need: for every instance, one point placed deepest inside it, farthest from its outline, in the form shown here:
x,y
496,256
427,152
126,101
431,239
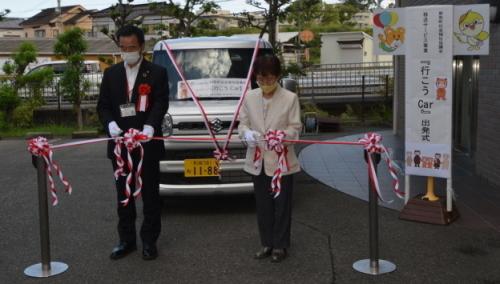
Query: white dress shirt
x,y
131,76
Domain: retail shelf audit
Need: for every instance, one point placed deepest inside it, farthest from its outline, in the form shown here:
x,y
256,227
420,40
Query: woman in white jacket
x,y
270,107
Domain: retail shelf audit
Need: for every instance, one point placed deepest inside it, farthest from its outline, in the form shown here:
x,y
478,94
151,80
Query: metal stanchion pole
x,y
46,268
373,265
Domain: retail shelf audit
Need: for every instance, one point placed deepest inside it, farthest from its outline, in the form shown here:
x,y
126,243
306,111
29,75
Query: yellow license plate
x,y
201,167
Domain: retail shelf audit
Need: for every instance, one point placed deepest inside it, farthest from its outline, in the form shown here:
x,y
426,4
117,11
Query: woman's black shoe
x,y
263,253
278,255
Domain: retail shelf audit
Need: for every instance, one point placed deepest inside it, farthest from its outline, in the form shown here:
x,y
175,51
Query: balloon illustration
x,y
385,19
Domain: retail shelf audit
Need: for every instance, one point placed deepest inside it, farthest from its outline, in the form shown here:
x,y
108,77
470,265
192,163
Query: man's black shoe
x,y
149,251
278,255
263,253
122,250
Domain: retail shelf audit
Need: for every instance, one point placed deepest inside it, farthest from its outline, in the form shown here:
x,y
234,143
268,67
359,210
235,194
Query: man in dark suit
x,y
134,94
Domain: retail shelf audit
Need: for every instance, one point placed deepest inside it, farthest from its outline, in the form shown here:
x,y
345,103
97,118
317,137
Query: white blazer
x,y
283,114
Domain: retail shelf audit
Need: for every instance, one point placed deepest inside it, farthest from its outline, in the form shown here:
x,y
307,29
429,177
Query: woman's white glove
x,y
251,137
114,130
148,130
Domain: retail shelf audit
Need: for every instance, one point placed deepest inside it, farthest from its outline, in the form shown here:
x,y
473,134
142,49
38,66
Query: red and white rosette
x,y
371,142
40,147
143,100
131,140
274,142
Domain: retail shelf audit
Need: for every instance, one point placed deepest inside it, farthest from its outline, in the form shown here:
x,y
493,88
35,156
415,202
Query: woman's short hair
x,y
268,64
129,31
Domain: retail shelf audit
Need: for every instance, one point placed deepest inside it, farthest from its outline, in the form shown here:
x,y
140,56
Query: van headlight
x,y
167,126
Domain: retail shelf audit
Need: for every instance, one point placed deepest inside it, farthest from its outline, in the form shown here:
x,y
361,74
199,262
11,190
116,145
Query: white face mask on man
x,y
131,58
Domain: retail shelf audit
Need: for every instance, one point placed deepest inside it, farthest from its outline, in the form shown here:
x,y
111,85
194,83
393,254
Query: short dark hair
x,y
129,31
267,64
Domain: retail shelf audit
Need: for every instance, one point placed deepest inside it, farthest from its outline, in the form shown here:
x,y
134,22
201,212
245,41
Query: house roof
x,y
47,15
11,24
73,20
137,11
46,46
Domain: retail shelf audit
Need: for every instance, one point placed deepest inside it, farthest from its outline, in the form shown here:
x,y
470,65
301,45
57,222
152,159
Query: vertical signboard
x,y
389,32
428,83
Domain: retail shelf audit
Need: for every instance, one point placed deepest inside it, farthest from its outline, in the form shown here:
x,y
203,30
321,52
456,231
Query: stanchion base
x,y
36,270
364,266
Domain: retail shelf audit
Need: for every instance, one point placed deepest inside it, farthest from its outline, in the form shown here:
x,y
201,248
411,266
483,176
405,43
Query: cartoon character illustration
x,y
393,37
437,160
446,161
471,25
416,158
427,162
441,84
409,159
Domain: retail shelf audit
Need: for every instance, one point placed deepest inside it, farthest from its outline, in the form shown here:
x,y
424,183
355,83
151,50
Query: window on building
x,y
55,33
40,33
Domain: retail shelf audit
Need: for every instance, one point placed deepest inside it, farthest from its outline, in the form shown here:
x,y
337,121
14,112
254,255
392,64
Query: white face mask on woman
x,y
131,58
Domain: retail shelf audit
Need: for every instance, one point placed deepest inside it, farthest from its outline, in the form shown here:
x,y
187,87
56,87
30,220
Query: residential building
x,y
10,27
98,49
154,24
222,19
362,20
50,22
348,47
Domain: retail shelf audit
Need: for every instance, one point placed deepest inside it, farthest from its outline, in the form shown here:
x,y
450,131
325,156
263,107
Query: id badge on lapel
x,y
127,110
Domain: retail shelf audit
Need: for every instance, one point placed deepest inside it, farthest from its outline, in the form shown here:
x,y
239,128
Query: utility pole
x,y
59,20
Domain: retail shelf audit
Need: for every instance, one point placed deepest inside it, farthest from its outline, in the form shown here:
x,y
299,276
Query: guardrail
x,y
346,82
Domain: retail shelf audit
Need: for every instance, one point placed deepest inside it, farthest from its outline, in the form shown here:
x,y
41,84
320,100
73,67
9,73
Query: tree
x,y
119,13
71,45
185,14
24,55
272,11
364,5
303,13
3,14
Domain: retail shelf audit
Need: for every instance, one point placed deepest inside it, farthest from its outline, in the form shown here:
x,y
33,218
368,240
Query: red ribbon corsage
x,y
144,89
143,102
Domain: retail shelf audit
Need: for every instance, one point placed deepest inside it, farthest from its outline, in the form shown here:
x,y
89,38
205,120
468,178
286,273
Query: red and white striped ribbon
x,y
40,147
371,142
274,142
257,157
131,140
243,95
196,101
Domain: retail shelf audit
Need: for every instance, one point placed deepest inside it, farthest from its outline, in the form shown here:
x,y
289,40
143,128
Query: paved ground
x,y
212,240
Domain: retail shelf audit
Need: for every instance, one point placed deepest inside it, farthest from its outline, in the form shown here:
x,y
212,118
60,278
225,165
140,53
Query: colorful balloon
x,y
385,19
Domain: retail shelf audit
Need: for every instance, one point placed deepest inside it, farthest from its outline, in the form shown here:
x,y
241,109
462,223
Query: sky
x,y
28,8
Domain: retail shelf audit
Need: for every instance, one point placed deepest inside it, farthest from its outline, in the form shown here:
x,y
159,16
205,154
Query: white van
x,y
218,62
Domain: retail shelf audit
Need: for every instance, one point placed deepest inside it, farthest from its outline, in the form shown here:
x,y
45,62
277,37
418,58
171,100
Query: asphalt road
x,y
212,240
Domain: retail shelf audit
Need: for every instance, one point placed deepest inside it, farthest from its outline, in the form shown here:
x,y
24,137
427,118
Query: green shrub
x,y
23,115
3,122
8,100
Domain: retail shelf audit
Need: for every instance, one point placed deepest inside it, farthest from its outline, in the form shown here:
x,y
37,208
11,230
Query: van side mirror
x,y
290,84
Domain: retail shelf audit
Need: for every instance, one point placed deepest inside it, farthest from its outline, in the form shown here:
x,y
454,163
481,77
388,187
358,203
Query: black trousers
x,y
151,225
274,215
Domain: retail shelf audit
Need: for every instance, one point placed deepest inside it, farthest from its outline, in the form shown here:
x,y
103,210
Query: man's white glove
x,y
251,137
149,131
114,130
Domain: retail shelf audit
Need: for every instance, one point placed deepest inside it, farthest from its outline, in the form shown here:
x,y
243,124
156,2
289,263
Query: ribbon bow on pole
x,y
40,147
372,144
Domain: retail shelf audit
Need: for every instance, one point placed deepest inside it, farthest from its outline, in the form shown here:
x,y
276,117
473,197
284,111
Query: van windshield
x,y
211,73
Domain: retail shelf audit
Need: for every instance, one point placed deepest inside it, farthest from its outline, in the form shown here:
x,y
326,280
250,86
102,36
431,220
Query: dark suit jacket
x,y
113,93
